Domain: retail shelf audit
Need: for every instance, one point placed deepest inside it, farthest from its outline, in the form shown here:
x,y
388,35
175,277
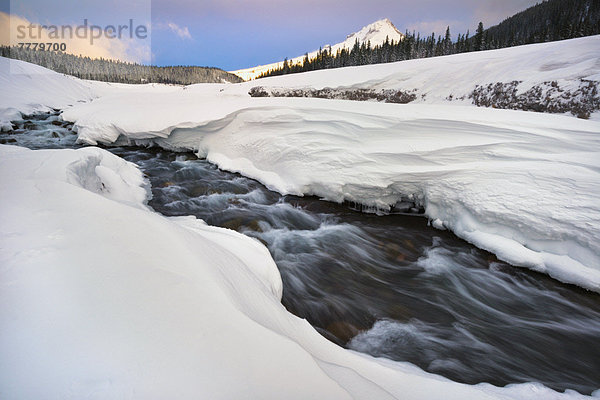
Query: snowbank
x,y
521,185
526,190
102,298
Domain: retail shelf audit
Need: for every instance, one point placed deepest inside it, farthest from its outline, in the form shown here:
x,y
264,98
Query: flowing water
x,y
390,286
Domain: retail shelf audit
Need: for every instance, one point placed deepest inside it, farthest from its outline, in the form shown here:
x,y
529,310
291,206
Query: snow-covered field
x,y
103,298
435,80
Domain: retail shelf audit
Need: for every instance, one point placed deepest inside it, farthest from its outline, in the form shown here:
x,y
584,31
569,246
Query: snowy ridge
x,y
191,312
376,33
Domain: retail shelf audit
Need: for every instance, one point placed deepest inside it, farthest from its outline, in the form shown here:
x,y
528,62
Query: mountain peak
x,y
384,22
376,32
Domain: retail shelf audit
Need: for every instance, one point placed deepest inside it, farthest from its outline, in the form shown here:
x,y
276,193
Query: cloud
x,y
124,48
182,32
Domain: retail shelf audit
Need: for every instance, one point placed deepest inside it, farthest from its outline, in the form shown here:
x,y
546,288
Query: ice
x,y
112,177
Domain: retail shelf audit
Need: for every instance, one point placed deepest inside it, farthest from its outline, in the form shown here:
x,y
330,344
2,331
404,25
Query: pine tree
x,y
479,42
448,42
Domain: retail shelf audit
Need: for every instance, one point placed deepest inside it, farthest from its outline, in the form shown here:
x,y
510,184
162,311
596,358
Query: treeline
x,y
117,71
548,21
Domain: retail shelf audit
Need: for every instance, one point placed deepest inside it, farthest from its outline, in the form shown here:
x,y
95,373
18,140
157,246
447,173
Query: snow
x,y
521,185
375,33
102,298
437,78
29,88
525,190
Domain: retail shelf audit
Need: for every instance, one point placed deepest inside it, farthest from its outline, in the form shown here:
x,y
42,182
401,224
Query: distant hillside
x,y
548,21
118,71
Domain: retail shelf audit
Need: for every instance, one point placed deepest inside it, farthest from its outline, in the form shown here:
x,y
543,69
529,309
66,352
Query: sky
x,y
243,33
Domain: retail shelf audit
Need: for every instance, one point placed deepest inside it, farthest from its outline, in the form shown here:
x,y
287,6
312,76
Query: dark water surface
x,y
390,286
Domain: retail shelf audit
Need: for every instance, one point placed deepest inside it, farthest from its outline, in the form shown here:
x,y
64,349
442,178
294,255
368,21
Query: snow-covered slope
x,y
558,69
376,33
435,79
27,88
101,298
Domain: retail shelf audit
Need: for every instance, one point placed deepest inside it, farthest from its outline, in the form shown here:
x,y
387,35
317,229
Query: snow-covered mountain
x,y
376,33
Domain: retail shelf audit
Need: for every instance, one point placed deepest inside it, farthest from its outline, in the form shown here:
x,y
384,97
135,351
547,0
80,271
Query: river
x,y
387,285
